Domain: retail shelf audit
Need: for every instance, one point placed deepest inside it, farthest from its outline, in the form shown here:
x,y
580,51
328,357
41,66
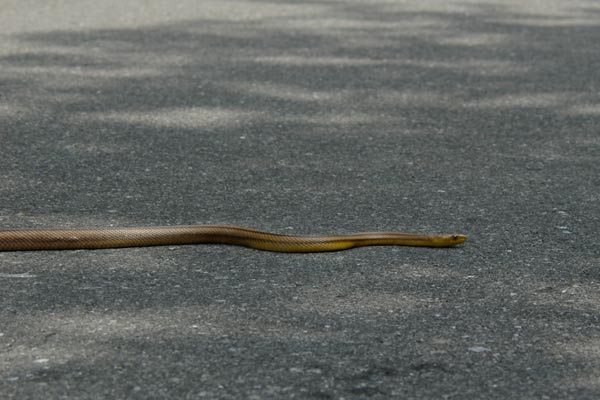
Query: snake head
x,y
457,239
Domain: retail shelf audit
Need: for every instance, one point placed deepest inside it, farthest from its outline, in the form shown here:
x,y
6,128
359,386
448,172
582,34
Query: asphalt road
x,y
479,117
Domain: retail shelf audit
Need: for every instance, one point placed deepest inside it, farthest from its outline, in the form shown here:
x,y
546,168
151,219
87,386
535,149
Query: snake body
x,y
100,238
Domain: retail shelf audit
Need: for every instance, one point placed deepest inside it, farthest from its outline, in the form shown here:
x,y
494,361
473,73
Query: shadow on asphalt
x,y
361,118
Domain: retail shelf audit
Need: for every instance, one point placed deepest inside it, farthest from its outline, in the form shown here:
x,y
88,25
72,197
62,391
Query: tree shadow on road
x,y
361,117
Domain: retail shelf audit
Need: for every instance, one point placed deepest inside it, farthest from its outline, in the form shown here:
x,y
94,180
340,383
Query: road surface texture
x,y
304,117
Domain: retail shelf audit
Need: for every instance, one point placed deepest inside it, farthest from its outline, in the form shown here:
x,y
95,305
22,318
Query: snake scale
x,y
100,238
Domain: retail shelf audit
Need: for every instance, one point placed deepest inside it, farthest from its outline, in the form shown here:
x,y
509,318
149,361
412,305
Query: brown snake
x,y
100,238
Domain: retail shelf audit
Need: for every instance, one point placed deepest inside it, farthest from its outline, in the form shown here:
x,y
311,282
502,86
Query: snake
x,y
27,239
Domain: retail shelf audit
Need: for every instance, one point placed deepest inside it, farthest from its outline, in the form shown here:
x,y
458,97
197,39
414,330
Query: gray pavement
x,y
480,117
